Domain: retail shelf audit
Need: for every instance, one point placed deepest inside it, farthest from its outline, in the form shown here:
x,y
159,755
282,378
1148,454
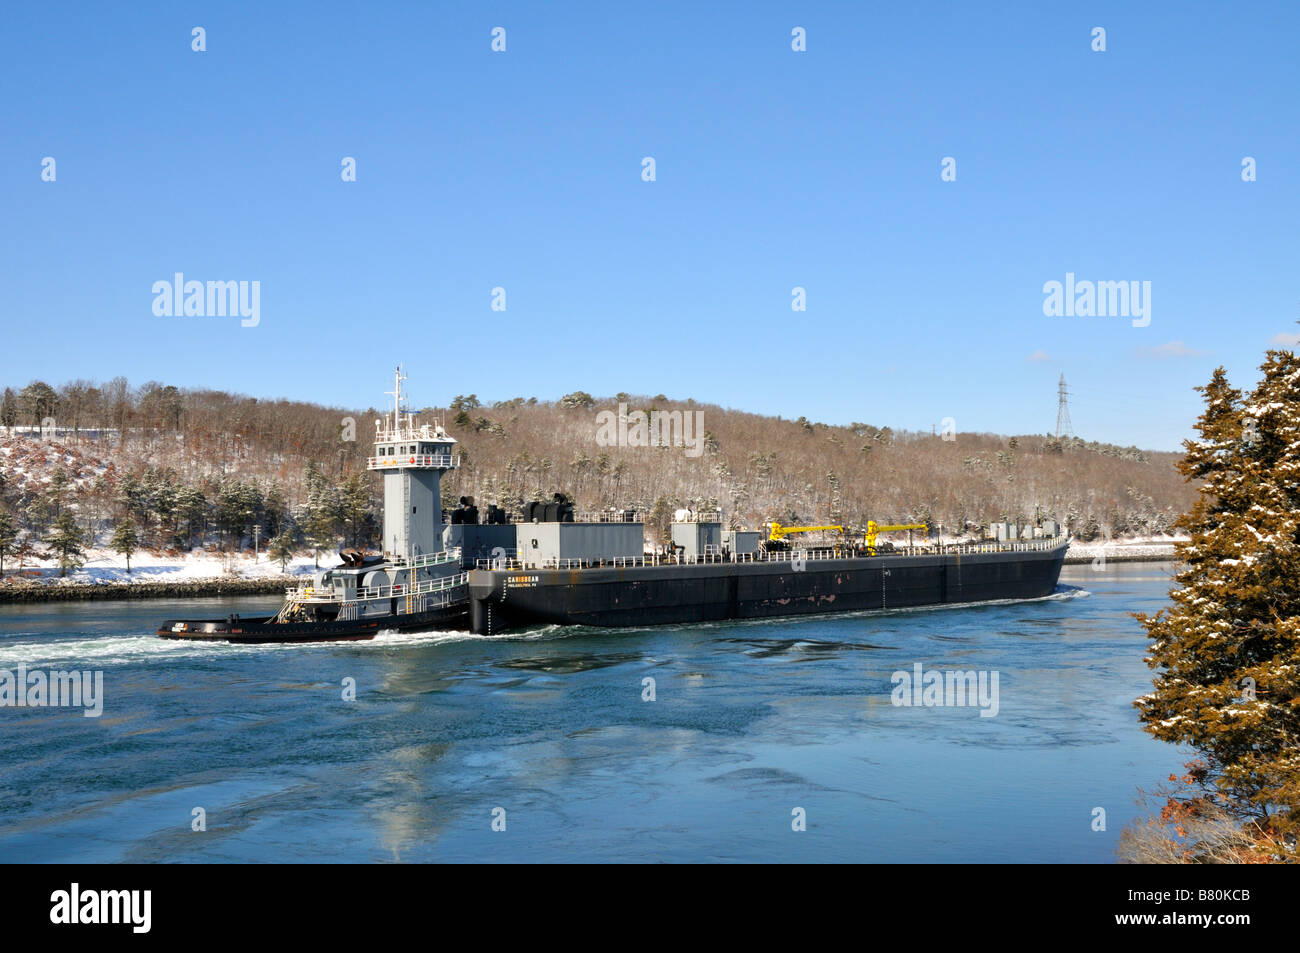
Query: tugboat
x,y
416,584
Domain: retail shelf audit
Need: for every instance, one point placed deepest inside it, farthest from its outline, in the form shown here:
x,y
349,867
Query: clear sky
x,y
522,169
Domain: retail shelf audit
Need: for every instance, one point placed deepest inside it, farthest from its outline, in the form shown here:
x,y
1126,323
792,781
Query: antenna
x,y
396,392
1063,428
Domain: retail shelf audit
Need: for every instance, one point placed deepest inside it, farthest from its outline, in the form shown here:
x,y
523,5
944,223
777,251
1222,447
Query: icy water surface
x,y
750,721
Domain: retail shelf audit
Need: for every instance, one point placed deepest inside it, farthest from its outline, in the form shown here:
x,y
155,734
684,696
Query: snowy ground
x,y
104,566
1125,548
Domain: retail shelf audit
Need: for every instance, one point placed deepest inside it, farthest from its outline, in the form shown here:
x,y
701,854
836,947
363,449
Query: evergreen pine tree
x,y
67,540
321,516
38,514
8,409
661,517
276,507
1226,651
354,507
192,507
57,490
125,540
281,549
8,537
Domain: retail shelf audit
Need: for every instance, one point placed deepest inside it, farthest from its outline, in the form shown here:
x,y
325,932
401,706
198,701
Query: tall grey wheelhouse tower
x,y
412,460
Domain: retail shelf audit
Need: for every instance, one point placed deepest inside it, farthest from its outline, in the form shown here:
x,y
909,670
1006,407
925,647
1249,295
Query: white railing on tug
x,y
428,559
367,593
444,461
512,564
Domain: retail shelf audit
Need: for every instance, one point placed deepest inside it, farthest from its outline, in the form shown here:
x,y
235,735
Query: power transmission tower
x,y
1063,428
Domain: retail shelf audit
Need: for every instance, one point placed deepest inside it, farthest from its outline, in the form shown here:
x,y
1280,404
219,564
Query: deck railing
x,y
428,559
367,593
512,563
443,461
606,516
499,561
704,516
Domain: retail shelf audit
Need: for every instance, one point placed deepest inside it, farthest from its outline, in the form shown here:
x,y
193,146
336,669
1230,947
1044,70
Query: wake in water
x,y
126,649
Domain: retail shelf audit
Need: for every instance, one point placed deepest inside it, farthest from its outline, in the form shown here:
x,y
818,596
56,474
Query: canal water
x,y
705,743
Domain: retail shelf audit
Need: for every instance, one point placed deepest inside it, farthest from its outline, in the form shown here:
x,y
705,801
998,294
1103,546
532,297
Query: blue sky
x,y
774,169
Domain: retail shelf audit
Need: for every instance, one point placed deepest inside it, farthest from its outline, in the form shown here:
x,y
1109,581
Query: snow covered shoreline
x,y
104,576
1122,551
103,565
23,592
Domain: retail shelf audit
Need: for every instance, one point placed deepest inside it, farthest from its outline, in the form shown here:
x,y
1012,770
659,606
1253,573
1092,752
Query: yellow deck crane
x,y
775,531
874,529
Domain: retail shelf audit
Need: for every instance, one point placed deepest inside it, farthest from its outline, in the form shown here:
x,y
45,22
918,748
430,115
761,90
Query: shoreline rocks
x,y
1118,552
13,591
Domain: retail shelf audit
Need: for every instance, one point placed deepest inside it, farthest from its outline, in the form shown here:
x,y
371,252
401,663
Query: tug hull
x,y
703,592
264,629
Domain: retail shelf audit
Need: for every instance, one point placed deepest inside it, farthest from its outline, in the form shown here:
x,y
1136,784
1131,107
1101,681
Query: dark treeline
x,y
222,426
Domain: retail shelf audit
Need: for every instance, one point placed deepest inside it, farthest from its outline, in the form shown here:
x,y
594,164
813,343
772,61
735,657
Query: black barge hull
x,y
704,592
265,630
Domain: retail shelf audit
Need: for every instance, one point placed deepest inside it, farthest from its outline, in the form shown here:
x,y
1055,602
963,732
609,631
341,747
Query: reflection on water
x,y
809,648
749,721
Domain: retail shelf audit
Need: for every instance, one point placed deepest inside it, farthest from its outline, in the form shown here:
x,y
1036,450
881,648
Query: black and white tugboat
x,y
416,584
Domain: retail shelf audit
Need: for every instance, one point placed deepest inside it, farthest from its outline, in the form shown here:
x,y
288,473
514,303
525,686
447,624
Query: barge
x,y
716,588
557,567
